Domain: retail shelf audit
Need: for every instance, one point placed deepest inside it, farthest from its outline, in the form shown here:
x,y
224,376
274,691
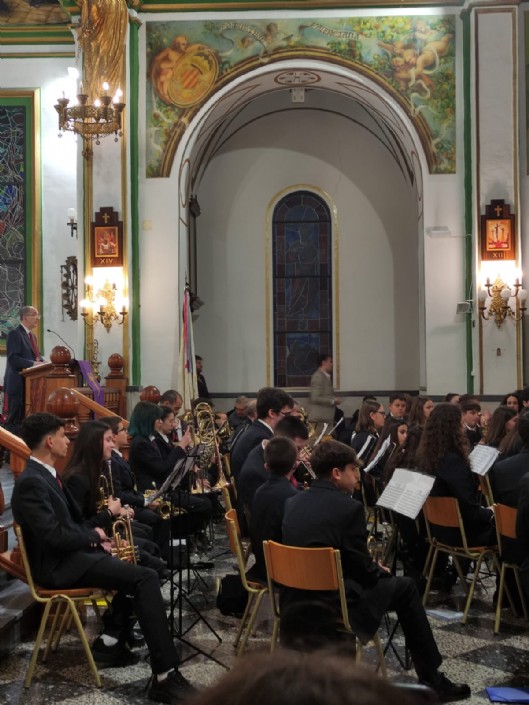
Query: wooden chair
x,y
255,590
444,512
506,528
226,496
486,490
65,602
311,569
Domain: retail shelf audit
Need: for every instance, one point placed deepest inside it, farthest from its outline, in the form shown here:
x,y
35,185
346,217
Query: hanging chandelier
x,y
91,120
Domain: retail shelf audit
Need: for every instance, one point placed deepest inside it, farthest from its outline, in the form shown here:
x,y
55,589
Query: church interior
x,y
286,178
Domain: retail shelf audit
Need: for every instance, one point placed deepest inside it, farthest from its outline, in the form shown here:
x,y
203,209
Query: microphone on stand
x,y
48,330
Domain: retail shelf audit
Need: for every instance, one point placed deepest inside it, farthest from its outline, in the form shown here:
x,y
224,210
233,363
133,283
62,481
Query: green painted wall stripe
x,y
134,201
467,138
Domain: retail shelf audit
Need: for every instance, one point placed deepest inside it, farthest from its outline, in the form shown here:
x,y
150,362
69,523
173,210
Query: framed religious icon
x,y
106,242
498,235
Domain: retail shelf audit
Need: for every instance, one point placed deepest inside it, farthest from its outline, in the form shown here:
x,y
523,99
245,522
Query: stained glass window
x,y
13,213
302,286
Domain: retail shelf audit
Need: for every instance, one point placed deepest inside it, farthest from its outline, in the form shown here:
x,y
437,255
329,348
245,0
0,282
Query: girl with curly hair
x,y
444,453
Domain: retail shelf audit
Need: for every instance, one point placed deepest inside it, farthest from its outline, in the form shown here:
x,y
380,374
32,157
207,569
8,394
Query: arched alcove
x,y
372,172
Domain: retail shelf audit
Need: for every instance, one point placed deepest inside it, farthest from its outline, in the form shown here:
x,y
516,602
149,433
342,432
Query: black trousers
x,y
142,585
406,602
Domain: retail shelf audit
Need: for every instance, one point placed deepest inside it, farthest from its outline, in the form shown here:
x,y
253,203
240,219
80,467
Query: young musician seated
x,y
327,515
64,553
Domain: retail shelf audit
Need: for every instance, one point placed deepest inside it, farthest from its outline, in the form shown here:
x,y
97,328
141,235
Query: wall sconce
x,y
100,305
499,307
72,221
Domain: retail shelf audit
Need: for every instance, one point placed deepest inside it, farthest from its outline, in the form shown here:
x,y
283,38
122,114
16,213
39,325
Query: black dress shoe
x,y
135,639
447,691
115,656
173,689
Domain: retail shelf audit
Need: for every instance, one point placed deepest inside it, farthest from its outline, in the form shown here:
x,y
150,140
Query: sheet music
x,y
383,448
482,459
406,492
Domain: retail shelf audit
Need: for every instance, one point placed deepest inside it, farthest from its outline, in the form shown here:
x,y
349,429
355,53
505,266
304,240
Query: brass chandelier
x,y
92,120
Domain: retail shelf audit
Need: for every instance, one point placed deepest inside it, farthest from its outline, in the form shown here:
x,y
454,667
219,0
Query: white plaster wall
x,y
376,323
444,285
59,188
497,170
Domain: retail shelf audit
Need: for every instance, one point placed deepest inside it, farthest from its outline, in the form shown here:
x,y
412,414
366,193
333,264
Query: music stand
x,y
173,483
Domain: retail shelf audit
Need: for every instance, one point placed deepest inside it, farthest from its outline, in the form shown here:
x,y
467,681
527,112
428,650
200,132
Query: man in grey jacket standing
x,y
322,397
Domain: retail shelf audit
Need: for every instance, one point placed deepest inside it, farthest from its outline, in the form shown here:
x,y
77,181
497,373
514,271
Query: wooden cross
x,y
498,210
106,217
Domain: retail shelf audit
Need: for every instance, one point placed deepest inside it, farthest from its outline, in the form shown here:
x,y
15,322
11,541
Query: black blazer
x,y
257,432
79,487
267,517
148,465
454,478
505,477
20,355
323,515
253,474
60,549
125,482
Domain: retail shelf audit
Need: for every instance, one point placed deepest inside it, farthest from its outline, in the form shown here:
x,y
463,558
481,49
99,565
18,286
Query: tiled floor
x,y
472,653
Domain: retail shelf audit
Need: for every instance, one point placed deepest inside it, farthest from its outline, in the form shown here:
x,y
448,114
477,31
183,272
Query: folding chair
x,y
254,589
506,528
444,512
65,602
311,569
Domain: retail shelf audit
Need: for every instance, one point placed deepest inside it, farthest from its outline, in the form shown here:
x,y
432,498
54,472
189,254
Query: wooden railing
x,y
89,405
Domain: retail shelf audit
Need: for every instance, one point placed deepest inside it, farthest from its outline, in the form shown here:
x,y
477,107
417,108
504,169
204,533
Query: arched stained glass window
x,y
302,286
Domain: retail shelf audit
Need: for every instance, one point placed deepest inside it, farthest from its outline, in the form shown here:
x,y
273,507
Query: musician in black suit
x,y
327,515
254,472
146,461
22,352
64,553
506,475
175,402
125,489
280,456
272,405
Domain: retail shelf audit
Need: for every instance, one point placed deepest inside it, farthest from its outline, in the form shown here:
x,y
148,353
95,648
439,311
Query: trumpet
x,y
106,490
124,547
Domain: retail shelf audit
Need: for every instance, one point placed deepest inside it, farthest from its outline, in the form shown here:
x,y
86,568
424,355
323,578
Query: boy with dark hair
x,y
397,405
327,515
280,456
273,404
65,553
471,409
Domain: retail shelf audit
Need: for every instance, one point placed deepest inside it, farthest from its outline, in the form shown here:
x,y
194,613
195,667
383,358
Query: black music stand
x,y
178,593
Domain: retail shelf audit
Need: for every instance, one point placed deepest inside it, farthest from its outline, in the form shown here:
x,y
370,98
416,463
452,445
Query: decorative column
x,y
495,30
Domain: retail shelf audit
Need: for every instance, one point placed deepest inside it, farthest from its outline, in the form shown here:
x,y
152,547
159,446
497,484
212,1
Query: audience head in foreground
x,y
294,678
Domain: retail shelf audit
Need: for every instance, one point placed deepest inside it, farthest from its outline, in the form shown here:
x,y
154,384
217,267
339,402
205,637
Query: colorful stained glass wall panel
x,y
302,286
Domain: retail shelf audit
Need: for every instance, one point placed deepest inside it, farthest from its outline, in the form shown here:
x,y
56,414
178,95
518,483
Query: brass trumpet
x,y
124,547
106,490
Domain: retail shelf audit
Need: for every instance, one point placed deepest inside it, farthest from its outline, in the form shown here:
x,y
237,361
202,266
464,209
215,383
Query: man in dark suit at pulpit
x,y
22,352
